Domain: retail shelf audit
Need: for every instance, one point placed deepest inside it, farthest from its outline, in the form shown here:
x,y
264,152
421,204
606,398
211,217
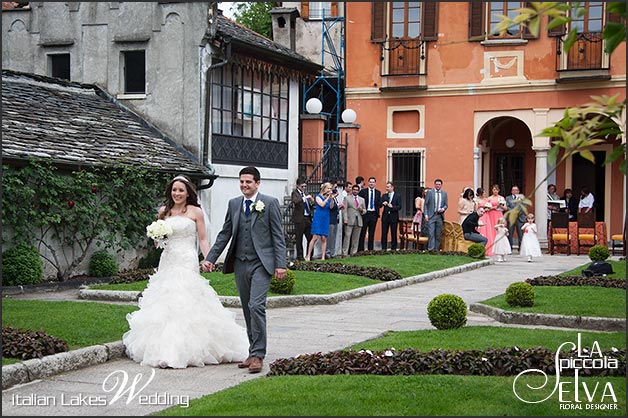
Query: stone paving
x,y
291,331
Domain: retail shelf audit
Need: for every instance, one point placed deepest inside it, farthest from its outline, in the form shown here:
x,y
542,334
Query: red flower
x,y
71,203
94,189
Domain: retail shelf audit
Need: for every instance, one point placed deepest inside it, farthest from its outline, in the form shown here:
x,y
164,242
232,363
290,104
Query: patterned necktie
x,y
247,211
371,199
307,204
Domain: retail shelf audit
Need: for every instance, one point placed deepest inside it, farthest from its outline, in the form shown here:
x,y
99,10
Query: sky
x,y
225,6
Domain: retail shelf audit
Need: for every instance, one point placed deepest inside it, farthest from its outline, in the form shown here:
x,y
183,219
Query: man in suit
x,y
435,207
303,205
258,250
512,201
373,200
391,204
352,220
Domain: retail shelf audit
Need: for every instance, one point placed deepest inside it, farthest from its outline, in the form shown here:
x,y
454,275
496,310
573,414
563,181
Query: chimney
x,y
284,26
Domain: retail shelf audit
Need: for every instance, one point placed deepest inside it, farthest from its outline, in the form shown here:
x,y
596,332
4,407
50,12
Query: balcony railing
x,y
403,57
587,53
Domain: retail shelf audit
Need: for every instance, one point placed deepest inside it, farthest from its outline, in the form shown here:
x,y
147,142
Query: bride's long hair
x,y
192,198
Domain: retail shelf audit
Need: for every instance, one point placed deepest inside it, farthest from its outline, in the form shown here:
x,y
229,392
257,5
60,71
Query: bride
x,y
181,321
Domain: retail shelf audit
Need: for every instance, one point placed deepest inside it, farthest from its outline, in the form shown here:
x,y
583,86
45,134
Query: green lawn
x,y
619,268
571,300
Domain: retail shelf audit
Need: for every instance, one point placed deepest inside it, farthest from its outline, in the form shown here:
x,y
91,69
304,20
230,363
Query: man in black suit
x,y
391,204
470,227
373,200
302,215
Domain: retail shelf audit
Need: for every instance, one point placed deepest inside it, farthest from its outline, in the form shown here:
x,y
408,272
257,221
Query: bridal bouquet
x,y
159,231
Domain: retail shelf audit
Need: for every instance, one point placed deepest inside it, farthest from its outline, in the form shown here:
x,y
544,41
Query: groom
x,y
257,251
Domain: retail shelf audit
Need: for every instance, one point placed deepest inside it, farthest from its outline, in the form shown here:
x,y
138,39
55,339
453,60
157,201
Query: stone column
x,y
540,196
476,168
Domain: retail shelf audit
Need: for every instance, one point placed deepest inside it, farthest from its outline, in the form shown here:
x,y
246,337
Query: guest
x,y
571,204
483,222
435,207
391,204
334,214
552,195
514,202
320,223
303,204
586,200
373,199
340,199
470,227
466,205
359,180
530,245
419,205
496,211
352,220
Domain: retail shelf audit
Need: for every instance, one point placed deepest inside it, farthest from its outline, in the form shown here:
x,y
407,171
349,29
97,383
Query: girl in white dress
x,y
181,321
501,246
530,246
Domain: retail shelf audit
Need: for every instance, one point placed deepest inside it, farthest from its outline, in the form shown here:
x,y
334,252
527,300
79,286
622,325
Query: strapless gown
x,y
181,321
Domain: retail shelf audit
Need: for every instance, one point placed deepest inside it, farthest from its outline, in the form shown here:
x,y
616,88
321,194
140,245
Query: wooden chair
x,y
587,237
559,232
618,242
411,234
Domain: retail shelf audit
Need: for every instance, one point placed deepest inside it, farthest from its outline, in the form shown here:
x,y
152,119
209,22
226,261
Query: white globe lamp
x,y
348,116
314,106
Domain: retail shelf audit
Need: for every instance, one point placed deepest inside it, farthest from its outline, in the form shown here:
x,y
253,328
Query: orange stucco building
x,y
437,95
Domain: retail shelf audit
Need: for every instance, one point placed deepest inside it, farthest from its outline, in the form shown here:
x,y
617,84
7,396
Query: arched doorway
x,y
508,158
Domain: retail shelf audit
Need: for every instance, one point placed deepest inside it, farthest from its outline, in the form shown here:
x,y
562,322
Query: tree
x,y
255,16
586,125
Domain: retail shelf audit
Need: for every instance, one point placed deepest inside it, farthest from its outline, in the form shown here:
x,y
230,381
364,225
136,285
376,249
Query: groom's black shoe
x,y
245,364
256,365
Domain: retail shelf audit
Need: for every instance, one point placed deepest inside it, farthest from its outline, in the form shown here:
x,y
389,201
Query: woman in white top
x,y
466,205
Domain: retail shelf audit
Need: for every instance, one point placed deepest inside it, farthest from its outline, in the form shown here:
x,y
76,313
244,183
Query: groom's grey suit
x,y
257,249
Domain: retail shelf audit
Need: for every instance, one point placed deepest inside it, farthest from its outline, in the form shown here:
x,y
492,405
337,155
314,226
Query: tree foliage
x,y
255,16
64,214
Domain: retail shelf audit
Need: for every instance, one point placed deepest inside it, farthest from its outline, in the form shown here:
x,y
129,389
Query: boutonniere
x,y
259,206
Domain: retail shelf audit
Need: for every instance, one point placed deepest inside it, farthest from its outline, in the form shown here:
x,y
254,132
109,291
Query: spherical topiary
x,y
102,264
599,253
447,311
520,294
21,265
285,286
476,250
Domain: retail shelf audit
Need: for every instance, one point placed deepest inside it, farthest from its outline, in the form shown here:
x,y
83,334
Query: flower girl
x,y
530,243
501,246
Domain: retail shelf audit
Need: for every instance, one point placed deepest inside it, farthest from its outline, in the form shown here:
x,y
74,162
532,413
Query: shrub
x,y
102,264
24,344
447,311
132,276
520,294
599,253
21,265
285,286
476,250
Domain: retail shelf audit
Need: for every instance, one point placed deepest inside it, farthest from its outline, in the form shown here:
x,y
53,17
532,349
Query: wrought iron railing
x,y
587,53
327,164
403,57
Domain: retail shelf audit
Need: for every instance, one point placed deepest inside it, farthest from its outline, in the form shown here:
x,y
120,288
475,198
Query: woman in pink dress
x,y
483,222
496,211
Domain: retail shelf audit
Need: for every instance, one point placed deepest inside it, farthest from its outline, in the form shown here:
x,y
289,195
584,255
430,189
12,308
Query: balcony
x,y
404,64
585,60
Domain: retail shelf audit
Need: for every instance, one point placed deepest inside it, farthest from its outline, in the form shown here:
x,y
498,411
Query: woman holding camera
x,y
320,223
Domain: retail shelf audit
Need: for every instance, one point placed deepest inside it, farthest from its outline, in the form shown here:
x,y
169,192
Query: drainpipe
x,y
208,75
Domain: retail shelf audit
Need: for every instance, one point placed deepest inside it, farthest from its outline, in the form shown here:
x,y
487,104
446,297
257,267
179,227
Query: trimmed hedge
x,y
577,281
489,362
21,265
377,273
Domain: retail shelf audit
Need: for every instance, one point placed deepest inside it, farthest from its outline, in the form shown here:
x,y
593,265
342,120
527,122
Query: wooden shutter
x,y
476,20
558,30
378,21
305,10
429,22
526,32
613,17
334,8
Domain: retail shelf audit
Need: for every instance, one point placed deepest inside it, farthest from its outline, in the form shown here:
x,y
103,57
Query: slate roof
x,y
79,124
256,44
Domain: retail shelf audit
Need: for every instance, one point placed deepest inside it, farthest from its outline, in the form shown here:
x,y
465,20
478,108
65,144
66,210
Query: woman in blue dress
x,y
320,222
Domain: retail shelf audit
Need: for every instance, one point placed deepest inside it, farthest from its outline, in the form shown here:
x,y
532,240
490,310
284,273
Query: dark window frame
x,y
60,65
134,71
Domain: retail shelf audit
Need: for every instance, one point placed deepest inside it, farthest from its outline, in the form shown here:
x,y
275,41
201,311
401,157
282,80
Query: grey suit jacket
x,y
512,203
266,230
352,215
430,202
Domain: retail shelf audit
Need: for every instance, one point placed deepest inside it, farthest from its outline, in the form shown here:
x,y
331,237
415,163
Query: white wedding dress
x,y
181,321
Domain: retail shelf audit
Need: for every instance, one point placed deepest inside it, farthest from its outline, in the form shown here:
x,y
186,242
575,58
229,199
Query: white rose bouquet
x,y
159,231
